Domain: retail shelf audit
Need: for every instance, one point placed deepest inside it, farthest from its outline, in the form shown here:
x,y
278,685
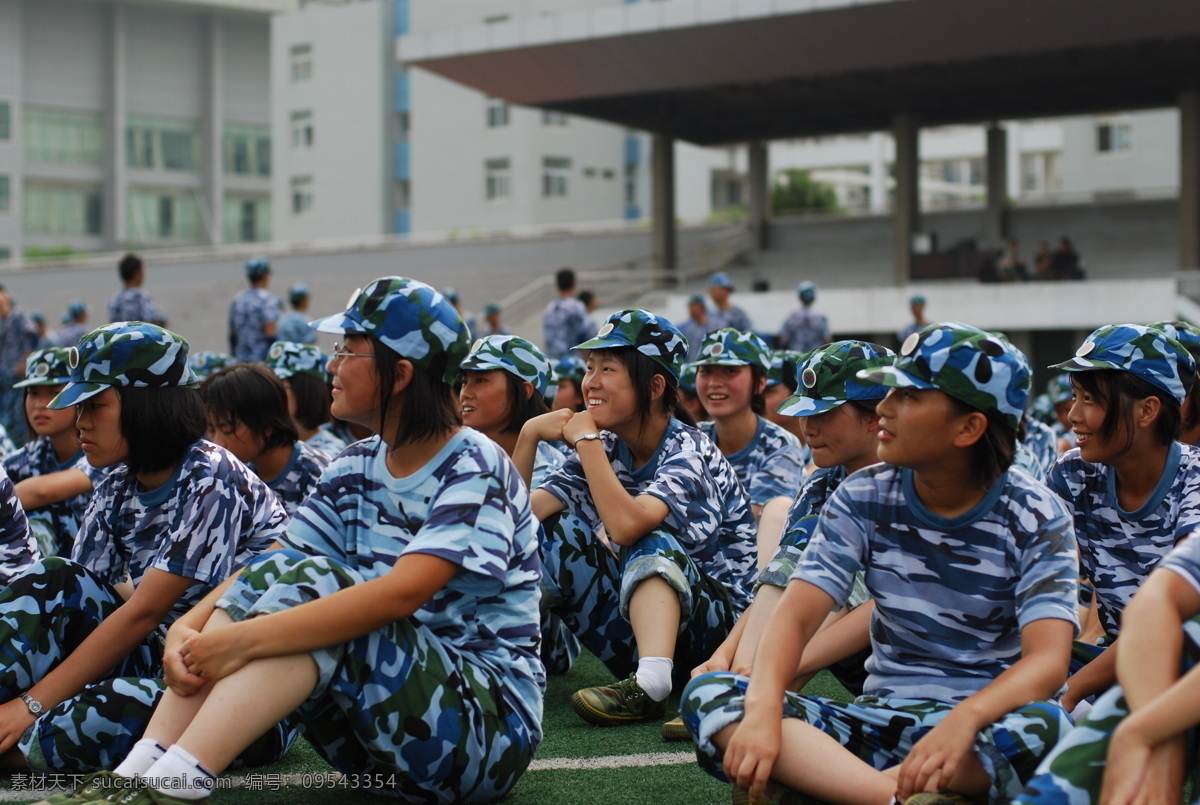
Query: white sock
x,y
654,676
179,774
145,753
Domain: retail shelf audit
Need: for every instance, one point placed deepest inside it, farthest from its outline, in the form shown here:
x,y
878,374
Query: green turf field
x,y
636,765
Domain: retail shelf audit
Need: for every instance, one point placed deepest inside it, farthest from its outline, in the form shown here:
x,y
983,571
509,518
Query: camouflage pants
x,y
418,715
560,646
880,732
45,614
1073,772
593,589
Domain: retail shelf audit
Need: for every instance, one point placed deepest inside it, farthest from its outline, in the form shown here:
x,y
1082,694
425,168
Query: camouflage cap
x,y
205,363
653,336
297,292
132,354
971,365
687,377
721,280
730,347
1147,352
1058,389
410,317
807,291
46,367
512,354
491,309
1041,409
783,367
289,358
829,377
569,367
257,267
1185,333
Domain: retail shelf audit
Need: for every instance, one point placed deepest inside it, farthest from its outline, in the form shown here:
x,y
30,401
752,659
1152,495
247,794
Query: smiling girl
x,y
680,524
1132,489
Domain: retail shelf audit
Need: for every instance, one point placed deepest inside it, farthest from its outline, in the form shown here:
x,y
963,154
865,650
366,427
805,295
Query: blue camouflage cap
x,y
971,365
512,354
807,291
409,317
46,367
783,367
569,367
75,308
297,292
829,377
1058,389
290,358
687,377
257,267
653,336
490,309
730,347
1146,352
206,363
1185,333
721,280
131,354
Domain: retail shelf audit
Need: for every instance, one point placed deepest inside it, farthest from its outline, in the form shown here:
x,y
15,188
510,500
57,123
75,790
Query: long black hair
x,y
429,409
159,425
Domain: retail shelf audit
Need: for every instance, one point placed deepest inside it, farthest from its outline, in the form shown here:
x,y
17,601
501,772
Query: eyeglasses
x,y
340,352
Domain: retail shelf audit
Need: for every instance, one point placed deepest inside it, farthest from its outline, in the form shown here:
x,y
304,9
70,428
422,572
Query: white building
x,y
128,124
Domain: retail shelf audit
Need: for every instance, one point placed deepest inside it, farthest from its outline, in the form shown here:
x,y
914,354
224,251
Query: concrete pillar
x,y
758,205
907,209
665,235
115,175
878,173
995,225
1189,180
212,201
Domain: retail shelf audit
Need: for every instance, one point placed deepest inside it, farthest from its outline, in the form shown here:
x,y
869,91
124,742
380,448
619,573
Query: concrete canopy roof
x,y
723,71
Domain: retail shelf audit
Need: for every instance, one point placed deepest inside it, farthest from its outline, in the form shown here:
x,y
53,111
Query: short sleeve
x,y
569,485
838,550
684,483
1048,569
17,548
1185,560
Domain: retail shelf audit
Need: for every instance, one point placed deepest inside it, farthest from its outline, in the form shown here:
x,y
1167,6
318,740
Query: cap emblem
x,y
910,344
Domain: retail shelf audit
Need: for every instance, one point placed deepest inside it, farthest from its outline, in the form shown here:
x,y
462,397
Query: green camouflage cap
x,y
290,358
783,367
131,354
206,363
512,354
829,377
569,367
687,377
730,347
409,317
1058,389
46,367
1146,352
653,336
1185,333
971,365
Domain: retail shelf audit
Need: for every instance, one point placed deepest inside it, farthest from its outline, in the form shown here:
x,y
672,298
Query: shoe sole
x,y
675,731
602,719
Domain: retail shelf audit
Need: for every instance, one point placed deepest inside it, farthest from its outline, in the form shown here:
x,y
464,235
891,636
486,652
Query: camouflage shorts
x,y
1073,772
880,732
594,588
399,703
48,611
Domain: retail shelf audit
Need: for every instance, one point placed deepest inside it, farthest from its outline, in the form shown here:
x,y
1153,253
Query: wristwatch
x,y
587,437
35,707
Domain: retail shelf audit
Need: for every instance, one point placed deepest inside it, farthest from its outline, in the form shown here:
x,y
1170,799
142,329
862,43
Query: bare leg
x,y
770,529
655,615
174,712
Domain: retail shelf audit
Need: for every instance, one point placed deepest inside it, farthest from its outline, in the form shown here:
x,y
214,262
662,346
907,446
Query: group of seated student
x,y
199,566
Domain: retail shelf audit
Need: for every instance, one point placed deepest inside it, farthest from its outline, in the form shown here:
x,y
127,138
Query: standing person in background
x,y
18,337
491,321
916,304
565,320
725,313
254,314
131,303
74,325
293,325
696,327
41,338
805,329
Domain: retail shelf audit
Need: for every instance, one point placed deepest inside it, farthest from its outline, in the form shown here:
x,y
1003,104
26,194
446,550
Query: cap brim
x,y
720,362
797,405
477,364
1083,365
337,323
76,393
893,378
41,381
600,342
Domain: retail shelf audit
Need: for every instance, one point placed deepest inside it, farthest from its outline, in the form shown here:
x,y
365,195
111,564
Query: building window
x,y
63,136
555,171
5,125
1114,135
246,150
51,209
302,129
301,62
302,194
497,113
551,118
245,219
499,178
163,215
161,143
4,191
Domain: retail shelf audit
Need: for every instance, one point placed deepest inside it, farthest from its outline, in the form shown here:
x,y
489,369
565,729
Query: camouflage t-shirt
x,y
771,466
299,477
17,548
804,330
209,519
250,311
732,316
1042,442
133,304
468,506
1184,559
39,458
293,326
327,441
1118,549
565,323
951,594
812,497
707,507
